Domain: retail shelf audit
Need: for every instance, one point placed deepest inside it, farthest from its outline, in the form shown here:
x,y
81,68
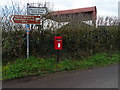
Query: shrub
x,y
79,41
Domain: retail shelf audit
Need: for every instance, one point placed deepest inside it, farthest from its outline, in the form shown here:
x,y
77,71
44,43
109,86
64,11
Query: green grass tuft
x,y
39,66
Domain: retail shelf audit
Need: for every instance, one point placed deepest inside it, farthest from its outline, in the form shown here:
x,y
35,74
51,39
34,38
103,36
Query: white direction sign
x,y
37,10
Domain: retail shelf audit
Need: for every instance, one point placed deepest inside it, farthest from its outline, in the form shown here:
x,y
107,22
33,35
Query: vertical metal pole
x,y
58,55
27,32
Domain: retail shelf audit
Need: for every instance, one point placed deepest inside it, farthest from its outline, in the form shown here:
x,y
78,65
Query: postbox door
x,y
58,44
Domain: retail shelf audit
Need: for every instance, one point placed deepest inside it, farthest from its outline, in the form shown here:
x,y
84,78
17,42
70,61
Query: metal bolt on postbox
x,y
58,43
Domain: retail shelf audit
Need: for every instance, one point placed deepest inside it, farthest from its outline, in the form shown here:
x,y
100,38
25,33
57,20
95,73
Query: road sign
x,y
25,19
37,10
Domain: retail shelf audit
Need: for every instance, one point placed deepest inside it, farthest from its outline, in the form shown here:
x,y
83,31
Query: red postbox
x,y
58,42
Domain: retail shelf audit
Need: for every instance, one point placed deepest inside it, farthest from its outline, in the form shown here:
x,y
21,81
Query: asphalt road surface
x,y
98,77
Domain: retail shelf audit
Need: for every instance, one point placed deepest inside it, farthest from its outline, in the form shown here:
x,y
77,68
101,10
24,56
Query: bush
x,y
78,41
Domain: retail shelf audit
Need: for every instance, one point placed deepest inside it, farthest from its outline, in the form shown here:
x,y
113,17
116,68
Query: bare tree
x,y
107,21
7,11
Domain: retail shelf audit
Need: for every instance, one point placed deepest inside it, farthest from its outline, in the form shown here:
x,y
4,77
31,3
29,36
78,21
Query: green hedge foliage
x,y
78,42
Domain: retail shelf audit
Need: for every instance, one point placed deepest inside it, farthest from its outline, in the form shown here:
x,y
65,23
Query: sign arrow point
x,y
12,19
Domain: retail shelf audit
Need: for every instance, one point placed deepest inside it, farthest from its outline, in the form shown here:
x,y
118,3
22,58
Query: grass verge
x,y
37,66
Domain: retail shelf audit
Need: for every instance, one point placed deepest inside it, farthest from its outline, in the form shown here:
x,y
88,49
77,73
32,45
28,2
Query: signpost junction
x,y
34,16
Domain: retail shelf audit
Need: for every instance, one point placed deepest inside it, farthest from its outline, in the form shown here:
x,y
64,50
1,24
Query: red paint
x,y
25,19
58,43
93,11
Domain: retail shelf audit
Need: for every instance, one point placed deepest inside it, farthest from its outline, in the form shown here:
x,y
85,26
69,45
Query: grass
x,y
38,66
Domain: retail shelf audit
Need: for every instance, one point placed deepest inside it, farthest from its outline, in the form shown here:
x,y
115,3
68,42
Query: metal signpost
x,y
37,10
25,19
27,32
29,19
31,10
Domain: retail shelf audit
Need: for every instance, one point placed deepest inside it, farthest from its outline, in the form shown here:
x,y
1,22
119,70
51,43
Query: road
x,y
98,77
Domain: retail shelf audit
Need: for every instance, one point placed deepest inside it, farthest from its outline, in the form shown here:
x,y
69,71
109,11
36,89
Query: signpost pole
x,y
27,32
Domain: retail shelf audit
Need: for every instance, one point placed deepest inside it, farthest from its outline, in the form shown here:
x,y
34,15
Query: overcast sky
x,y
104,7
